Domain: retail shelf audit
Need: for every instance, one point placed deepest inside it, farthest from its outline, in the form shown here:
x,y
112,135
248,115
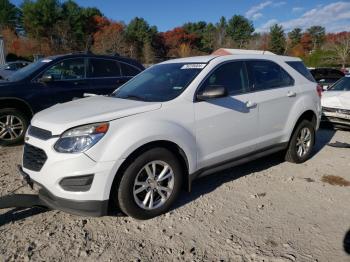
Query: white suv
x,y
175,122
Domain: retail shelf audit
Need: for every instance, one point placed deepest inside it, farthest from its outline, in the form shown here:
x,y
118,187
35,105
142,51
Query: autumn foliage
x,y
49,27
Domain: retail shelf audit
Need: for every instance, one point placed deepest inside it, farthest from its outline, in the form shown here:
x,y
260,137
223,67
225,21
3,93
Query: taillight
x,y
319,90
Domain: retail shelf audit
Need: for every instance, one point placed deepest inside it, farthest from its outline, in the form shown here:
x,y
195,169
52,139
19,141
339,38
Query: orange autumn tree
x,y
109,38
179,43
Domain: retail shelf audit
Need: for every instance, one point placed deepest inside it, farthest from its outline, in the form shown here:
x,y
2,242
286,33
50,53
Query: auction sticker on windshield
x,y
193,66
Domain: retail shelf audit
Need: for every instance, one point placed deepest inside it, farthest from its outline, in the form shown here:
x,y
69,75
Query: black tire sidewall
x,y
293,142
24,120
125,191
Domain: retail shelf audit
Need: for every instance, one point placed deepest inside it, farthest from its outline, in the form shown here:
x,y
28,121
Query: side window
x,y
129,70
300,67
103,68
67,70
231,75
268,75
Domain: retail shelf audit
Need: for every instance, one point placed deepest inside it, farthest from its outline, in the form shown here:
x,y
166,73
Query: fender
x,y
129,137
299,108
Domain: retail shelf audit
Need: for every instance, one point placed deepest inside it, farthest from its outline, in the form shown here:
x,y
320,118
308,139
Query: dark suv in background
x,y
57,79
326,77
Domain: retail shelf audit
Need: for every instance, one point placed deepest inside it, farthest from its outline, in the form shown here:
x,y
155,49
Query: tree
x,y
8,14
317,34
148,53
40,17
240,30
174,40
340,44
110,39
66,26
205,33
295,36
277,42
306,42
138,32
221,29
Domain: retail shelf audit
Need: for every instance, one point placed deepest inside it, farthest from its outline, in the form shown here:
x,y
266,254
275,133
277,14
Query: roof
x,y
207,59
230,51
193,59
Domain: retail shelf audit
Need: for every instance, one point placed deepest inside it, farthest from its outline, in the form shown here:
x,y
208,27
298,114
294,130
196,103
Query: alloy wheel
x,y
153,185
303,144
11,127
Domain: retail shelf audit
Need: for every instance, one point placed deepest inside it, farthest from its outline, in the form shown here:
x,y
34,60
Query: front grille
x,y
336,110
33,158
39,133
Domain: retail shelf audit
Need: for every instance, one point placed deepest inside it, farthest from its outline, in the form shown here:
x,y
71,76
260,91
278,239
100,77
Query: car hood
x,y
61,117
336,99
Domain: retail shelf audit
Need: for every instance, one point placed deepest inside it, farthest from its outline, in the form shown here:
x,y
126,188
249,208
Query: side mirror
x,y
212,91
45,79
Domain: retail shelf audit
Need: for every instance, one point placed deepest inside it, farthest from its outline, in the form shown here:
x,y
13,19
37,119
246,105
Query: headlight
x,y
80,139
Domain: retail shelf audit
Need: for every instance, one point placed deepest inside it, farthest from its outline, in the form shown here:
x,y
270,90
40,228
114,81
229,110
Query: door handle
x,y
291,94
250,104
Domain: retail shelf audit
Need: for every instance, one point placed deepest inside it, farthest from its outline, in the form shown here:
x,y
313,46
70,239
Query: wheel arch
x,y
309,115
171,146
17,104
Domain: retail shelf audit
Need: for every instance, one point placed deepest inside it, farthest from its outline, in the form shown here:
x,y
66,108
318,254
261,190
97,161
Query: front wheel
x,y
301,143
150,184
13,125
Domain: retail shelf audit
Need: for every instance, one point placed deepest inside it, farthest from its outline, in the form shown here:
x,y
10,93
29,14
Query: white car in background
x,y
173,123
336,103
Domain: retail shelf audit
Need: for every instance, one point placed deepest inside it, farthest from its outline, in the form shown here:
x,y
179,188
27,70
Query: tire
x,y
17,122
131,202
293,154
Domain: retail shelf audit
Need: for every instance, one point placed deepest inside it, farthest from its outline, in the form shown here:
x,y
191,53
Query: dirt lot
x,y
267,210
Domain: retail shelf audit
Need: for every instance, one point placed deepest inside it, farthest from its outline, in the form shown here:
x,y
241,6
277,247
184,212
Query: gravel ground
x,y
267,210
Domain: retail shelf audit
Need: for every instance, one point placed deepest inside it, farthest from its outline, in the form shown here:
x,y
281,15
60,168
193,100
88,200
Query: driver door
x,y
226,128
64,81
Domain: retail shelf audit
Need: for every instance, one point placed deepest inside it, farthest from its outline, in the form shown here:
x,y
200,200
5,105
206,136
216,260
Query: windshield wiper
x,y
133,97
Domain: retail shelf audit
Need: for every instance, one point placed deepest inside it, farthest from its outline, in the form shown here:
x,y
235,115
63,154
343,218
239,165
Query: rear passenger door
x,y
104,75
275,94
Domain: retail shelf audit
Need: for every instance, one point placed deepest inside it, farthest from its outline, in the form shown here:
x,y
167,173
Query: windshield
x,y
27,70
160,83
342,85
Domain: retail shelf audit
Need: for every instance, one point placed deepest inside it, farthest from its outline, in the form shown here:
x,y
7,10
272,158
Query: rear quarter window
x,y
300,67
268,75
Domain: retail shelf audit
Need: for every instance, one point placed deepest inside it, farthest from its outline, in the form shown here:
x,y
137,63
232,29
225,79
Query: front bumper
x,y
337,118
93,208
55,167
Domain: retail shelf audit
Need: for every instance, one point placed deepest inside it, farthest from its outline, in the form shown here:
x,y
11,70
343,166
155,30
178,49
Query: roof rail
x,y
230,51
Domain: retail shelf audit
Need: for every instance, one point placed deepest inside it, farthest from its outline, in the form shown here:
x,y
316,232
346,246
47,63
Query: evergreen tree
x,y
277,42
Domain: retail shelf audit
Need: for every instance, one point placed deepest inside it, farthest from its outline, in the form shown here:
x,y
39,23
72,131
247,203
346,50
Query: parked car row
x,y
57,79
172,123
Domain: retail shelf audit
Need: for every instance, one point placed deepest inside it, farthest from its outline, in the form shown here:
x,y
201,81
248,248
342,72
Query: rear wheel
x,y
150,184
301,143
13,125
